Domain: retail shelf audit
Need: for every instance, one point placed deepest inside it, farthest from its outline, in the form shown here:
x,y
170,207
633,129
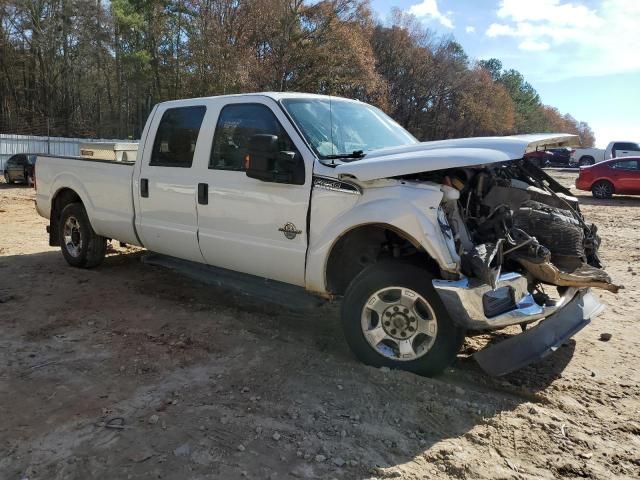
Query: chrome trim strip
x,y
335,185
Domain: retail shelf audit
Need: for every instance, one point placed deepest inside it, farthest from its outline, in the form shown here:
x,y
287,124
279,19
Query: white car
x,y
590,156
422,241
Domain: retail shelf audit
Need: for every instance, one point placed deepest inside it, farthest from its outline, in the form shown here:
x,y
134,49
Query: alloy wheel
x,y
399,323
602,190
72,236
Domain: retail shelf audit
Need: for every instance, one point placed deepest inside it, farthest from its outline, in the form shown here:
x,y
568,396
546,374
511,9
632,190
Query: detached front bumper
x,y
545,338
510,303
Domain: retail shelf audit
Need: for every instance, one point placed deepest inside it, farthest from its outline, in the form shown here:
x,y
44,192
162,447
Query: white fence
x,y
12,144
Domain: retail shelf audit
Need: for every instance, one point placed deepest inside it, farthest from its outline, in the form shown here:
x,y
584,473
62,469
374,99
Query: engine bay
x,y
513,217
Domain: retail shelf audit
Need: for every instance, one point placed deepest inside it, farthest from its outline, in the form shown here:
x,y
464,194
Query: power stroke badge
x,y
290,230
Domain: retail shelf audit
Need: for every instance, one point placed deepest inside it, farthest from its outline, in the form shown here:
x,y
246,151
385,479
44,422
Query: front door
x,y
249,225
166,218
627,176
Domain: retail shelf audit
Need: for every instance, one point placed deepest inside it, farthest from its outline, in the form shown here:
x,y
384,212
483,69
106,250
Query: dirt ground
x,y
205,383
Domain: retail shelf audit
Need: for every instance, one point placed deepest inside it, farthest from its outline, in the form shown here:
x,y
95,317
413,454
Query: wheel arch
x,y
63,197
604,179
363,245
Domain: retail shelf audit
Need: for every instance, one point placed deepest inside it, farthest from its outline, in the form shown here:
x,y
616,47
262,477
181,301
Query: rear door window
x,y
626,165
177,136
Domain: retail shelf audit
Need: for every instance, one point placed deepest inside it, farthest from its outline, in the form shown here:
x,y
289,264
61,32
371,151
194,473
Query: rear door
x,y
245,224
166,217
626,174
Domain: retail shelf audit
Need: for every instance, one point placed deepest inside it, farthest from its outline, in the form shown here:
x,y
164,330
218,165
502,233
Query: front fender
x,y
410,211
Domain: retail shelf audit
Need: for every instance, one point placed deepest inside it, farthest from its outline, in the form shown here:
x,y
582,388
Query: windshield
x,y
339,127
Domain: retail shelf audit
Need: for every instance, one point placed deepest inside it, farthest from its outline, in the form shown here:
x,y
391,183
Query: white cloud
x,y
552,11
499,30
429,9
576,40
534,46
470,29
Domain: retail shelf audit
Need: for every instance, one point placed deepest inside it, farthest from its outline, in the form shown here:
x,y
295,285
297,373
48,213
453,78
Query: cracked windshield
x,y
335,127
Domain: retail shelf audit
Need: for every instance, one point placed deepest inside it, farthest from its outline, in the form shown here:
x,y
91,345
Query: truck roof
x,y
273,95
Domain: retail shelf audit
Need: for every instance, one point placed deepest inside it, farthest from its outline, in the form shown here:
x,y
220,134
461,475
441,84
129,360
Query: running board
x,y
257,289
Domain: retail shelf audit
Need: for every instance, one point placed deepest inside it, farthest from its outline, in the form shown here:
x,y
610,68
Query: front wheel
x,y
393,317
81,246
602,189
7,178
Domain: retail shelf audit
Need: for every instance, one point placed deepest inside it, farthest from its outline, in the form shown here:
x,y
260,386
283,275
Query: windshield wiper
x,y
354,154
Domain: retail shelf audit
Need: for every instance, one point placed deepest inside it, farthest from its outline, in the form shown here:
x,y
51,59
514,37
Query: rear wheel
x,y
585,161
81,246
7,178
393,317
602,189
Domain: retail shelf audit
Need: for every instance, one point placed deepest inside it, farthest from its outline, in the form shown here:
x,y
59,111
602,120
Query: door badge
x,y
290,230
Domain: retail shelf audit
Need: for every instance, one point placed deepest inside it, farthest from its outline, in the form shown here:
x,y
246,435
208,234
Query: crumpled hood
x,y
441,154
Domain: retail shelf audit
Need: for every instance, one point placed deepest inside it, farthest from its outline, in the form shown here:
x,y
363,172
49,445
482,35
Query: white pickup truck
x,y
590,156
422,241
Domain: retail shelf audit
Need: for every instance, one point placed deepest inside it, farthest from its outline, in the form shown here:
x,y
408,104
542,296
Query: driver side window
x,y
236,125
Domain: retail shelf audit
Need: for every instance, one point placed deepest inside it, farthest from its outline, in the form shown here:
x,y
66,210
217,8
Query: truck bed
x,y
109,203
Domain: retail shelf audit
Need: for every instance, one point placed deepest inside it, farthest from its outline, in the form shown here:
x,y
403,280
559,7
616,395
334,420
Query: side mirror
x,y
261,154
265,162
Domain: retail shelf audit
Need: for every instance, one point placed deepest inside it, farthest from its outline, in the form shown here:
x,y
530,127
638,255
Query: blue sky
x,y
582,56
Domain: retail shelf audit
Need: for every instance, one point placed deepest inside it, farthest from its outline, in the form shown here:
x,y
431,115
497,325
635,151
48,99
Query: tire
x,y
30,182
586,161
602,189
430,353
80,245
7,179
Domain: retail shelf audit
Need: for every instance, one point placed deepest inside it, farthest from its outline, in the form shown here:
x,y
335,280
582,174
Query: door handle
x,y
203,194
144,187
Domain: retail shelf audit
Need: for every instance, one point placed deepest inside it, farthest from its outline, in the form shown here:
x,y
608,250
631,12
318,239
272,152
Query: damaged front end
x,y
527,254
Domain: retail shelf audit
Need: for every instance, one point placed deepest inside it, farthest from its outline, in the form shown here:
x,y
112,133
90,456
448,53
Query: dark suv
x,y
20,168
560,156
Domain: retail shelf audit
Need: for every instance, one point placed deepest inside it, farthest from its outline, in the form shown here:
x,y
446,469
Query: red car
x,y
618,175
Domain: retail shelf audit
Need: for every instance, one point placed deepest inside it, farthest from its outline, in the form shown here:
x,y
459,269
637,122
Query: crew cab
x,y
423,242
590,156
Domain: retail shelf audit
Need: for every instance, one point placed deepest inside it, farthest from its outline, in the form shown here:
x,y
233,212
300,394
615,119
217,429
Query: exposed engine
x,y
514,217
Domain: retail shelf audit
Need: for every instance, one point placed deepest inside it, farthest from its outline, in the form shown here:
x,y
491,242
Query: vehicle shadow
x,y
6,186
310,386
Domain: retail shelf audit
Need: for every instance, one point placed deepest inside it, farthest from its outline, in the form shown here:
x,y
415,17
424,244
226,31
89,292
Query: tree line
x,y
92,68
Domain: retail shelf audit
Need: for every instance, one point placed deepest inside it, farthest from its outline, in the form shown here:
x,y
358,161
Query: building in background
x,y
11,144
